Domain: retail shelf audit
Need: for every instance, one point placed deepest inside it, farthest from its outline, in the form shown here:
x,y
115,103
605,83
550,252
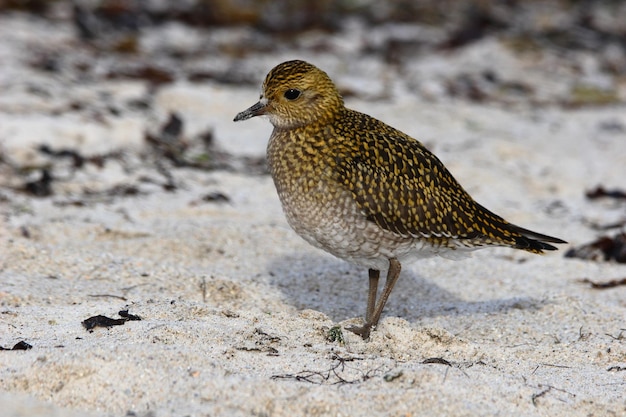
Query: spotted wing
x,y
404,188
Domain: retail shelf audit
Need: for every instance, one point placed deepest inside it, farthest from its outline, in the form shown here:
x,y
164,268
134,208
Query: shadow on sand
x,y
339,289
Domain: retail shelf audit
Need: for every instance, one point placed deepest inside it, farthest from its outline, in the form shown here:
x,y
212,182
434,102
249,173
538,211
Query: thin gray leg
x,y
373,313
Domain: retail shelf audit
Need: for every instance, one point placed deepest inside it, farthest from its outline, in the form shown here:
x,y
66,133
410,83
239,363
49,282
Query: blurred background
x,y
540,43
81,80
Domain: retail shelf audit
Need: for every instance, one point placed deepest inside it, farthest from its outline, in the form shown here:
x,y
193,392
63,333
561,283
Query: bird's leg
x,y
392,276
371,318
374,275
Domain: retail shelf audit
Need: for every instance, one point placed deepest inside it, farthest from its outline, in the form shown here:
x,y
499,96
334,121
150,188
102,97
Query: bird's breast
x,y
322,210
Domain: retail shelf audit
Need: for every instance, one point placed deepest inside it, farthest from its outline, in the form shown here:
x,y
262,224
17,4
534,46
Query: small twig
x,y
538,395
547,390
619,336
203,289
333,373
442,361
108,296
583,335
555,365
439,361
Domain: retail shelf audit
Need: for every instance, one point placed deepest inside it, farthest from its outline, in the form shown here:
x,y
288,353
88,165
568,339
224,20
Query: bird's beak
x,y
256,110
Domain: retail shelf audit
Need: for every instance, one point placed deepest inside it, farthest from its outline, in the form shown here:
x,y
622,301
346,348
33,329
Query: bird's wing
x,y
404,188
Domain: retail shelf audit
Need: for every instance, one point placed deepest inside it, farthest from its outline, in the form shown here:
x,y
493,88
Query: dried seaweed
x,y
603,249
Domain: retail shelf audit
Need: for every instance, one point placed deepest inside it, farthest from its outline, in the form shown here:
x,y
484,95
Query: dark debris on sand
x,y
603,249
103,321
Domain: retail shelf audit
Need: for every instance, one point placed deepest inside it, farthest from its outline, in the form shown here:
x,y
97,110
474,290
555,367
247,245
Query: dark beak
x,y
256,110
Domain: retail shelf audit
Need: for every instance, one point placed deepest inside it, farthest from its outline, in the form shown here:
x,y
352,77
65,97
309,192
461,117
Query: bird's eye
x,y
292,94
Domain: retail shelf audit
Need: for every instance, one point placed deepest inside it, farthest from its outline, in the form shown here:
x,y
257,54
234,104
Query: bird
x,y
366,192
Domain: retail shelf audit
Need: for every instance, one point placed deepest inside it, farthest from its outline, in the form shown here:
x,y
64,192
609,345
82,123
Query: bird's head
x,y
296,94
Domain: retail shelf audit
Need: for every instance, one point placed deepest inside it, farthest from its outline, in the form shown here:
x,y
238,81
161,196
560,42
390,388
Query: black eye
x,y
292,94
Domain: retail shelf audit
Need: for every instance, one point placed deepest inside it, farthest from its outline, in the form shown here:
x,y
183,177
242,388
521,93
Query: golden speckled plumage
x,y
364,191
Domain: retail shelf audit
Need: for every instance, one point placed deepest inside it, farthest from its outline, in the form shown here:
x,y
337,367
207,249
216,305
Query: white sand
x,y
236,307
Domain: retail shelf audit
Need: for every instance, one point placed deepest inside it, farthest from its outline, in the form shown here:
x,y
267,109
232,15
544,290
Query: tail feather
x,y
533,241
515,236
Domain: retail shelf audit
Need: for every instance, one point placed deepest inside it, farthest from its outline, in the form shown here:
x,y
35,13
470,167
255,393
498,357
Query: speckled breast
x,y
325,214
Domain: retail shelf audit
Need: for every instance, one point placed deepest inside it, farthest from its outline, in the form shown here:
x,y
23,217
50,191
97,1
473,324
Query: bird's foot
x,y
363,331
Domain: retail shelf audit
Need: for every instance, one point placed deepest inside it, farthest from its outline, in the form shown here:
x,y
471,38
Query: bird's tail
x,y
502,232
533,241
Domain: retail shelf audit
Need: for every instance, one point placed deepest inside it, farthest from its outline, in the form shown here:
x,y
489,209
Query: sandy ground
x,y
236,308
